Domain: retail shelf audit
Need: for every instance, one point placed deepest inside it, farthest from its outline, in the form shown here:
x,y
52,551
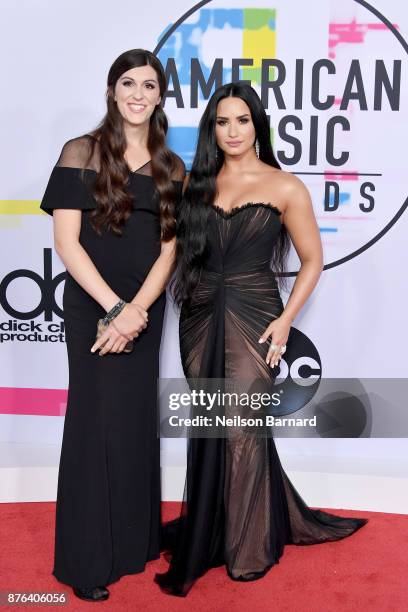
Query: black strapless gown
x,y
239,507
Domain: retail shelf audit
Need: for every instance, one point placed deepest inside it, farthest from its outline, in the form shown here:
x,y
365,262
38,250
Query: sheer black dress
x,y
239,507
108,500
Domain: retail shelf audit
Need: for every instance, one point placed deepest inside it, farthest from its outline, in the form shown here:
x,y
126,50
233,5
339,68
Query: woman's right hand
x,y
131,321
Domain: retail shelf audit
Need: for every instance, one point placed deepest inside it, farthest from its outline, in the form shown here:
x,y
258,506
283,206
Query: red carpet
x,y
368,570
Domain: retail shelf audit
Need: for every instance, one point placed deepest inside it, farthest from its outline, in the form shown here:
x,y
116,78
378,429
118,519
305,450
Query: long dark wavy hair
x,y
109,190
201,191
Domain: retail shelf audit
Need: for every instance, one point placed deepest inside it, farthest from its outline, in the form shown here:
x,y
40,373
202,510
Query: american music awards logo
x,y
327,91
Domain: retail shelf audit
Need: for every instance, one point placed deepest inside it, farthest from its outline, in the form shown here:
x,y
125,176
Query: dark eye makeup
x,y
149,85
243,120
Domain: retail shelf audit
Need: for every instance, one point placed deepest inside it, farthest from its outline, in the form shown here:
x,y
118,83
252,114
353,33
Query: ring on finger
x,y
281,349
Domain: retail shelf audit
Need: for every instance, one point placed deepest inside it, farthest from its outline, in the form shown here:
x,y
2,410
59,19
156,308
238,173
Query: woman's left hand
x,y
279,331
111,341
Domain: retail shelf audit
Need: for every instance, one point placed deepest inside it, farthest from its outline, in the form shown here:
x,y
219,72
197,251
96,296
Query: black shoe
x,y
248,577
93,594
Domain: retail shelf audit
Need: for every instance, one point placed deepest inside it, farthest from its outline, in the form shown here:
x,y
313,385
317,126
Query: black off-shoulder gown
x,y
108,501
240,508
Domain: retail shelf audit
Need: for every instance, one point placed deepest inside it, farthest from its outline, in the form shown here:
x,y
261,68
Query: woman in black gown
x,y
112,194
238,210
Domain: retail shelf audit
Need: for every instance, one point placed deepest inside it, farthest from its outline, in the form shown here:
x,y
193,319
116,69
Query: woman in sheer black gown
x,y
112,194
239,507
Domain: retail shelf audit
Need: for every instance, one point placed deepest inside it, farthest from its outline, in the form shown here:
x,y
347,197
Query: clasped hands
x,y
126,326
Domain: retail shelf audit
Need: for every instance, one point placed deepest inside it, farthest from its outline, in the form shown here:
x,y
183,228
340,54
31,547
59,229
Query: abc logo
x,y
299,376
47,285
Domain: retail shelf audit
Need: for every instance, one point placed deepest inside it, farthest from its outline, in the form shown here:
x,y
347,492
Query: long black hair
x,y
201,191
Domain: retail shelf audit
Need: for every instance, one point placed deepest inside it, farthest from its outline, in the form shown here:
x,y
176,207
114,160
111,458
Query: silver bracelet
x,y
113,312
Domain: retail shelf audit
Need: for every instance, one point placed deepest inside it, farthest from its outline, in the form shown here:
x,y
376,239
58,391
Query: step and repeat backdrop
x,y
332,76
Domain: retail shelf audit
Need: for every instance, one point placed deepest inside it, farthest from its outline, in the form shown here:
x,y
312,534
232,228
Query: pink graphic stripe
x,y
41,402
352,32
339,176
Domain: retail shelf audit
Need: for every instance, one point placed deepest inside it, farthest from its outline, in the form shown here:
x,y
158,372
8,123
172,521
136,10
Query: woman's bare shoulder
x,y
287,182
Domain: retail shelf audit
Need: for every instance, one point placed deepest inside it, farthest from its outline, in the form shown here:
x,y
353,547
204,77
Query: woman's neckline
x,y
139,168
236,209
132,173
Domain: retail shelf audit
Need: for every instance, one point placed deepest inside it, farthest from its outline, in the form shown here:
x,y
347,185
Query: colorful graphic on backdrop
x,y
322,105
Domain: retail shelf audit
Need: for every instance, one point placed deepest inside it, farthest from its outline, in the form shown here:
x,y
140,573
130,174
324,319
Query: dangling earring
x,y
257,148
216,153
